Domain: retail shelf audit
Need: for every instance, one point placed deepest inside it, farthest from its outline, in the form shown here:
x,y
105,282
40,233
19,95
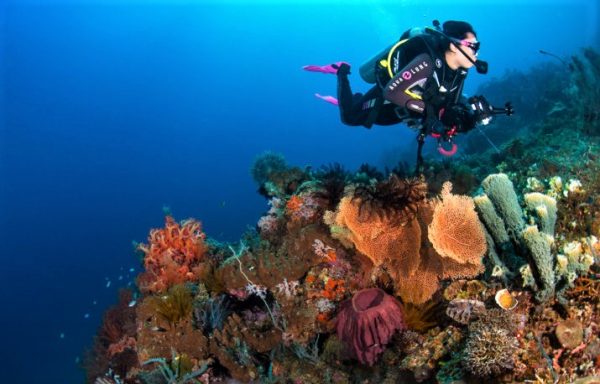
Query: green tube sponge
x,y
490,218
545,210
501,192
541,254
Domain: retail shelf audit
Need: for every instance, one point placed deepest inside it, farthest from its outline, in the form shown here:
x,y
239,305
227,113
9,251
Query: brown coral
x,y
570,333
268,267
236,342
156,336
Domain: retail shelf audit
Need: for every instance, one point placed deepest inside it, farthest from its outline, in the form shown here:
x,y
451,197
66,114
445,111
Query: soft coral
x,y
173,255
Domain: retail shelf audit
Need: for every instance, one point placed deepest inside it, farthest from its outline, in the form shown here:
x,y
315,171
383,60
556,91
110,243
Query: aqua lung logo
x,y
407,75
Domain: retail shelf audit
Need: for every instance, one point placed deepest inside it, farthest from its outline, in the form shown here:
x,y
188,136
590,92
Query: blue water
x,y
112,110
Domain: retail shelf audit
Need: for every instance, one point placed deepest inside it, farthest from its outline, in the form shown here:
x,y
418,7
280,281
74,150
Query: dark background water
x,y
112,110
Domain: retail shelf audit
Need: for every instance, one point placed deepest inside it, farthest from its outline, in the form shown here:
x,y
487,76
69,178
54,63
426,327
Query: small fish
x,y
222,203
132,303
108,284
86,316
131,270
158,329
95,302
120,277
77,360
62,335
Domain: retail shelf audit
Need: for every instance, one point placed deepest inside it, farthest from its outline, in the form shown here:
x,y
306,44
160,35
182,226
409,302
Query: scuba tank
x,y
368,71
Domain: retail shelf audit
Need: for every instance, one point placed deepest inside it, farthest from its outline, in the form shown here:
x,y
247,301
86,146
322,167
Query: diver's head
x,y
462,34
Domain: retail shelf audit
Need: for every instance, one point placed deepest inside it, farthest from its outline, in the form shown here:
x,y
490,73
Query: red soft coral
x,y
173,255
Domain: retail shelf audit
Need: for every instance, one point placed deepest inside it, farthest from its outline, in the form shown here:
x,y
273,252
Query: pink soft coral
x,y
367,322
173,255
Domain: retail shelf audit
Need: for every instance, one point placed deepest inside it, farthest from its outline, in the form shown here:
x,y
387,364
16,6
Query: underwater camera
x,y
484,111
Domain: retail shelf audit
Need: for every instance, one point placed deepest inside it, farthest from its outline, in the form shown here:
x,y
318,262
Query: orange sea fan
x,y
378,237
455,231
415,263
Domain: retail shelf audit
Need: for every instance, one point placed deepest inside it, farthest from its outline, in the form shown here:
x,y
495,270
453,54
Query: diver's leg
x,y
351,105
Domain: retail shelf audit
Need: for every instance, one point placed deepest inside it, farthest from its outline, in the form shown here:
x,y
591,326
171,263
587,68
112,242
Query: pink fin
x,y
329,99
329,68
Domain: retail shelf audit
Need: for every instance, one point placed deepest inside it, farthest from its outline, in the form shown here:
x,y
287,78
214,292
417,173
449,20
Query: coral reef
x,y
486,269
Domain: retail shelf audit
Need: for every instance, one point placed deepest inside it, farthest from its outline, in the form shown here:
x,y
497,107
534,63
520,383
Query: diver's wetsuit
x,y
422,85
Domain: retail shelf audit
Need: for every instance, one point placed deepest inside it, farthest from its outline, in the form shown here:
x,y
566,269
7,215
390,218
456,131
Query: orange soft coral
x,y
294,204
173,255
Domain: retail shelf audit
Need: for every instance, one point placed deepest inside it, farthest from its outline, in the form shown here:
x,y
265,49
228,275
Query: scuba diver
x,y
418,81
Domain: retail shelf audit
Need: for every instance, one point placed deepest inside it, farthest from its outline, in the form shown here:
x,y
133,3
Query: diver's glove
x,y
459,117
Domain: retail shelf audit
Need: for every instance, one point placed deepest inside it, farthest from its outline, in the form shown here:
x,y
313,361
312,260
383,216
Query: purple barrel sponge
x,y
367,322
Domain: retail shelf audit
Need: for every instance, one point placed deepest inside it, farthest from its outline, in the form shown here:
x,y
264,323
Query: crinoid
x,y
394,199
332,179
173,306
421,317
367,172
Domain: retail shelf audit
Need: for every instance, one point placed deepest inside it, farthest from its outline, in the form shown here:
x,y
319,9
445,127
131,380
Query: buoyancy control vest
x,y
418,52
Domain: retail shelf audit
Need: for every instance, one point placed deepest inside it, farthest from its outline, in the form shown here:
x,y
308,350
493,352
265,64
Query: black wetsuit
x,y
418,68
